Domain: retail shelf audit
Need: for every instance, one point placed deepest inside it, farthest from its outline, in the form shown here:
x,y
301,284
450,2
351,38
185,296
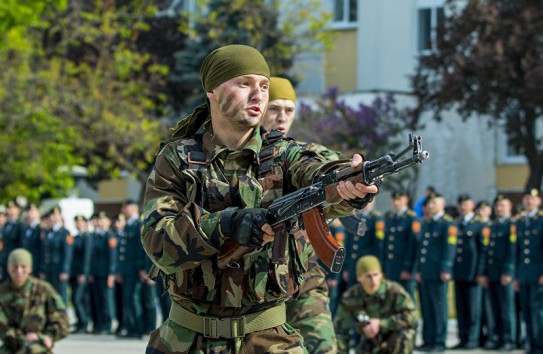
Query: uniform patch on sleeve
x,y
340,236
486,236
415,226
452,235
380,229
69,239
1,245
112,242
513,234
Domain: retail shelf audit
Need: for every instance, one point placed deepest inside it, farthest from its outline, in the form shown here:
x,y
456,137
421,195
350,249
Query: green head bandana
x,y
281,89
367,264
230,61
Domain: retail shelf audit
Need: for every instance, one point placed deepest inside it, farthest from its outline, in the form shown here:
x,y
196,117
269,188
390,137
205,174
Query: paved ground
x,y
104,344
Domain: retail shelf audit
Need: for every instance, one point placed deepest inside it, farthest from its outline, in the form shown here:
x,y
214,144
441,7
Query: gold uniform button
x,y
353,256
527,261
390,256
391,247
355,247
459,259
423,260
460,241
391,238
427,234
423,251
400,229
425,242
460,250
526,251
392,229
121,257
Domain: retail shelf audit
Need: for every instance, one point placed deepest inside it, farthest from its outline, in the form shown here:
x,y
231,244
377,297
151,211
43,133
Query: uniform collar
x,y
213,149
438,215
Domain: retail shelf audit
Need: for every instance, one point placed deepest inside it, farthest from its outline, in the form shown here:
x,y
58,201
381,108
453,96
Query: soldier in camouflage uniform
x,y
32,314
310,311
206,195
382,312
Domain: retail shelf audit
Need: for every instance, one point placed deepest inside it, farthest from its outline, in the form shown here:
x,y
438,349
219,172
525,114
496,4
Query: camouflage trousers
x,y
30,348
310,313
170,337
400,342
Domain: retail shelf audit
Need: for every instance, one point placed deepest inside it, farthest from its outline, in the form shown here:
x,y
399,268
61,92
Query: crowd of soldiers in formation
x,y
491,253
103,268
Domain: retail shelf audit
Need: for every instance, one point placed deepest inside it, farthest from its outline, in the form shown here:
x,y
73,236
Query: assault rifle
x,y
308,202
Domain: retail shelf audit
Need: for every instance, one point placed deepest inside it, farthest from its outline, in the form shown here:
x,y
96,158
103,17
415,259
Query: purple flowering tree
x,y
372,130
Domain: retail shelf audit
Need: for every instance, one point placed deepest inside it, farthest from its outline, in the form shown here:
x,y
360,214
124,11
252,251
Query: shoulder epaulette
x,y
376,213
447,217
410,212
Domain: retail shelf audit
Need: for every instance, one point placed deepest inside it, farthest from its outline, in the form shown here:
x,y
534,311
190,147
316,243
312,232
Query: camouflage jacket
x,y
391,304
184,202
34,308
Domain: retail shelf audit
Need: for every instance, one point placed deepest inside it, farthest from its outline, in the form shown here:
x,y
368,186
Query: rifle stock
x,y
325,245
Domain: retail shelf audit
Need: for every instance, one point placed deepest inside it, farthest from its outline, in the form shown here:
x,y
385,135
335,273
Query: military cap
x,y
103,214
367,264
481,204
80,217
463,197
94,215
12,204
129,202
119,217
398,194
534,192
500,197
32,206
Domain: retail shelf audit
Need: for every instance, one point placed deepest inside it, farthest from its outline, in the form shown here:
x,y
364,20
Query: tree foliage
x,y
372,130
489,61
280,30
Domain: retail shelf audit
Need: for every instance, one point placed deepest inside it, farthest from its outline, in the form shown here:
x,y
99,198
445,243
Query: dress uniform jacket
x,y
399,246
11,239
31,241
500,260
435,255
529,269
57,246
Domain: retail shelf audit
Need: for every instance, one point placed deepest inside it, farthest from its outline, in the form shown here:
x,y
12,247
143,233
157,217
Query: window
x,y
345,12
428,17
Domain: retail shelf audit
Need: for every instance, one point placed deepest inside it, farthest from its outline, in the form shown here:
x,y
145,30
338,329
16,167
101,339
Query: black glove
x,y
244,225
361,203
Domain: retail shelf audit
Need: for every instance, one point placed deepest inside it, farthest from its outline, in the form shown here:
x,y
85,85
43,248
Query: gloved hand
x,y
361,203
244,225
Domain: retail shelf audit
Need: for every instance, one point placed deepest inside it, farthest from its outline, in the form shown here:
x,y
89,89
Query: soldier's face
x,y
503,207
370,281
531,202
19,273
279,115
240,101
466,207
399,203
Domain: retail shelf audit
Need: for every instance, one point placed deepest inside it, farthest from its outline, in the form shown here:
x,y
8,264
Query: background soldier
x,y
11,233
30,234
102,275
435,257
364,231
81,262
3,220
57,245
391,315
399,246
529,269
129,268
32,314
498,280
310,311
469,263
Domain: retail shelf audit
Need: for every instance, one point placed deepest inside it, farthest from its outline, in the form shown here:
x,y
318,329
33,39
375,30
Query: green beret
x,y
367,264
20,256
281,89
230,61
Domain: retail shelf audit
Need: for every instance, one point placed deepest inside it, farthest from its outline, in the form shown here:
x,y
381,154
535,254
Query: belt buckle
x,y
230,327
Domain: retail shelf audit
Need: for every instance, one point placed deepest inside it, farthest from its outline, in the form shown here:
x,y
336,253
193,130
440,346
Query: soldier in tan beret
x,y
32,314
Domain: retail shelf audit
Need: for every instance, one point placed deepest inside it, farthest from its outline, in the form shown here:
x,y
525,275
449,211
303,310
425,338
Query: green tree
x,y
88,80
373,130
488,62
280,30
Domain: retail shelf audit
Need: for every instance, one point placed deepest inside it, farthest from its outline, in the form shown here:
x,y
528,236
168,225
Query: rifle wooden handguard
x,y
325,245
